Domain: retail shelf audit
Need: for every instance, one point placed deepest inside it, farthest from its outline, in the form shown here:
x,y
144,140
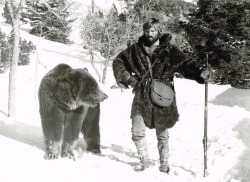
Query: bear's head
x,y
87,89
76,88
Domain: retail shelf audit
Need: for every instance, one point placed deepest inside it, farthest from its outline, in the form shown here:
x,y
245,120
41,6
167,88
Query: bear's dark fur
x,y
69,101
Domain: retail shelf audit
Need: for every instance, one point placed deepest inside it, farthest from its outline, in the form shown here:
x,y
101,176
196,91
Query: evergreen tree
x,y
6,47
6,14
26,48
49,19
221,30
168,11
4,56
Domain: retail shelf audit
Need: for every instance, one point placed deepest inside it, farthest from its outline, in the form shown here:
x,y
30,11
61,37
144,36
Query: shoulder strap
x,y
150,67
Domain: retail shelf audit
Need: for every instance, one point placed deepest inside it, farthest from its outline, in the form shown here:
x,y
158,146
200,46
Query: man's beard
x,y
150,40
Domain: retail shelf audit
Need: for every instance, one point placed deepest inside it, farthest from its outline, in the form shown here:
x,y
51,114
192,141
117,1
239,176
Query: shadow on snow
x,y
33,136
234,97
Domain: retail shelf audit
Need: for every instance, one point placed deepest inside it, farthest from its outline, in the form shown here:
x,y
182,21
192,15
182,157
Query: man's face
x,y
152,35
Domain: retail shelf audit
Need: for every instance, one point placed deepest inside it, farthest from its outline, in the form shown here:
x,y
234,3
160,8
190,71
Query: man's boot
x,y
164,153
142,149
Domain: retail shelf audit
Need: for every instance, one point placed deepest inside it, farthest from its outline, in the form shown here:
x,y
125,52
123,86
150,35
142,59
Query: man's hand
x,y
132,81
208,74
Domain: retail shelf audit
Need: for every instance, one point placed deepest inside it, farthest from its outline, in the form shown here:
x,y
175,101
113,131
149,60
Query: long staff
x,y
205,126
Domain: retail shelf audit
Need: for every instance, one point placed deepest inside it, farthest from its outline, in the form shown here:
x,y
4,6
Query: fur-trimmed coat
x,y
132,62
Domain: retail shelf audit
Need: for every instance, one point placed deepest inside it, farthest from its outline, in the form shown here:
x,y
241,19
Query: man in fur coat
x,y
131,69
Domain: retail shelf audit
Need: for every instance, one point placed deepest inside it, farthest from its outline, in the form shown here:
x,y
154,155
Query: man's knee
x,y
138,128
162,133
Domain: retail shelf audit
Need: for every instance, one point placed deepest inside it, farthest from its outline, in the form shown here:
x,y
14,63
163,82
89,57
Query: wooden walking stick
x,y
205,124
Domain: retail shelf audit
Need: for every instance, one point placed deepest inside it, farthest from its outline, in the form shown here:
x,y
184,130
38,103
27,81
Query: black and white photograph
x,y
125,90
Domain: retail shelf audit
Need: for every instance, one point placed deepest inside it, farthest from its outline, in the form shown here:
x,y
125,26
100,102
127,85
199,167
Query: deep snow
x,y
21,138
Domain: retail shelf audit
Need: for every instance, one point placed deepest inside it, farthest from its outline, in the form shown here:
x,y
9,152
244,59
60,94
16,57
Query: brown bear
x,y
69,103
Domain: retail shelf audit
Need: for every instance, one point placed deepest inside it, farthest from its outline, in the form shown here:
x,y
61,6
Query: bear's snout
x,y
101,96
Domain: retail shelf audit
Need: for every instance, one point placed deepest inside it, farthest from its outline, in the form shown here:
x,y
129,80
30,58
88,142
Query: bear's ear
x,y
86,69
73,76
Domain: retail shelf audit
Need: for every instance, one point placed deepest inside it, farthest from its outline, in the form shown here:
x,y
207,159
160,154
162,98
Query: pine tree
x,y
220,29
49,19
5,56
168,11
6,14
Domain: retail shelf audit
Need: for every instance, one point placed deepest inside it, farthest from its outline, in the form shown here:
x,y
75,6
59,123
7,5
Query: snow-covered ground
x,y
21,138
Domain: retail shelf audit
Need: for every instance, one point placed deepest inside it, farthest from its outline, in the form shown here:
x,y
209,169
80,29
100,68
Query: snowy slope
x,y
21,138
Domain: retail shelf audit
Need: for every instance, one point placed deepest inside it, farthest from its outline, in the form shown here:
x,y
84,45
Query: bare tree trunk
x,y
93,65
15,15
36,76
105,69
92,7
13,70
106,63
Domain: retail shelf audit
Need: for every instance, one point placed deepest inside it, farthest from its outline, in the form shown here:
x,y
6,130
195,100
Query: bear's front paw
x,y
50,156
69,154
